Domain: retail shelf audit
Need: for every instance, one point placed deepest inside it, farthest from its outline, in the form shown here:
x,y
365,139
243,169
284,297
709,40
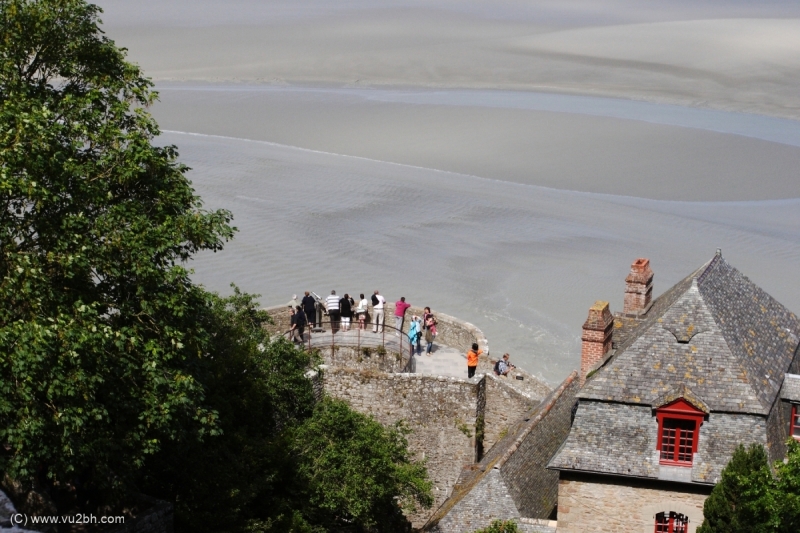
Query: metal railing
x,y
331,333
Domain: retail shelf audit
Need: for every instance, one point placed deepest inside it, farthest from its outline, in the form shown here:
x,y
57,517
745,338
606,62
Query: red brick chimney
x,y
597,332
638,287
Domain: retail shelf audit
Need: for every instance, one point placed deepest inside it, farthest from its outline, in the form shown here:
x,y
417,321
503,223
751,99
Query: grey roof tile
x,y
715,332
791,388
620,439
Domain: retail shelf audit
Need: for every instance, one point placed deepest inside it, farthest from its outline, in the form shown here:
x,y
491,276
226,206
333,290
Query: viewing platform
x,y
388,351
453,419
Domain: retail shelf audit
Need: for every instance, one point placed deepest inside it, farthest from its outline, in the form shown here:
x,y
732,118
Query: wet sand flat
x,y
522,262
726,55
514,218
561,150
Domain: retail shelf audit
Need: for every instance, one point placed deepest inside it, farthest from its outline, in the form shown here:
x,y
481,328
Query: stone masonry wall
x,y
512,480
605,505
441,413
449,330
504,407
371,359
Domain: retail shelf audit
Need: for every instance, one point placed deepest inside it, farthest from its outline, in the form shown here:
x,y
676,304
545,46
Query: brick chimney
x,y
597,332
638,287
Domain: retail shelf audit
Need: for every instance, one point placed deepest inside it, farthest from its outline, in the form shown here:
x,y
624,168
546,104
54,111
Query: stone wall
x,y
449,330
595,504
504,407
367,358
441,413
512,481
280,319
517,379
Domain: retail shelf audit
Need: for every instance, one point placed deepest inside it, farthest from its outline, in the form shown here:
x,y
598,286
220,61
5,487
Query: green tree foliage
x,y
500,526
739,503
283,461
235,480
355,470
117,373
97,328
787,489
749,499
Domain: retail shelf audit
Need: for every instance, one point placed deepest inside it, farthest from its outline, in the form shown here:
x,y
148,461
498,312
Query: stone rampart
x,y
441,412
453,420
371,358
512,480
504,407
449,330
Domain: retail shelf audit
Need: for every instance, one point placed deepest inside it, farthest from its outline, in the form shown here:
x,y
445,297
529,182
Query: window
x,y
677,440
678,432
671,523
796,421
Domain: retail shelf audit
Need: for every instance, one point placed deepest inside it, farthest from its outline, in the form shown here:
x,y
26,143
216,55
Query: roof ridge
x,y
706,268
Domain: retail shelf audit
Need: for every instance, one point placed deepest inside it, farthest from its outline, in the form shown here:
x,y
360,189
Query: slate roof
x,y
714,339
791,388
716,333
620,439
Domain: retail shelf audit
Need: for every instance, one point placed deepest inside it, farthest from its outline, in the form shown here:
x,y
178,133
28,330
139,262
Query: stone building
x,y
671,387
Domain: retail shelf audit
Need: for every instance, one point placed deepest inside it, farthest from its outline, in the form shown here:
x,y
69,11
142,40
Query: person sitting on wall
x,y
503,366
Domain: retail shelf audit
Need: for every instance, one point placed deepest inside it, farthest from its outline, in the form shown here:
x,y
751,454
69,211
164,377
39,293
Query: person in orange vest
x,y
472,359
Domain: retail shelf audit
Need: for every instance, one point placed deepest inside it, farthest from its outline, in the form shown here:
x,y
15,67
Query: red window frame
x,y
671,522
678,432
794,426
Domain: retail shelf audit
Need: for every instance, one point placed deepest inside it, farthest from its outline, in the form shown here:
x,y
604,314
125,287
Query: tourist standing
x,y
429,326
472,359
310,309
413,334
298,324
293,303
361,311
332,305
400,308
346,311
378,302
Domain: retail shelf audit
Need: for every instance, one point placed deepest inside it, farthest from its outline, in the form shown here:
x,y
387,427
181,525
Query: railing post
x,y
359,341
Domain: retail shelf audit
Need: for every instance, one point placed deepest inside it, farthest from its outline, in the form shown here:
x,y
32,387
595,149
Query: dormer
x,y
679,424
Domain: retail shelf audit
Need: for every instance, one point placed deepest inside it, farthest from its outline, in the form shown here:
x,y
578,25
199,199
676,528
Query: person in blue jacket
x,y
414,333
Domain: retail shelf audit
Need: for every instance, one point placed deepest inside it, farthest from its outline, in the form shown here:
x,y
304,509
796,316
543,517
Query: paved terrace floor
x,y
443,360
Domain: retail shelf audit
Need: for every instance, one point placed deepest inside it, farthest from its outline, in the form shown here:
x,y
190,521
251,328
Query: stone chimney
x,y
597,332
638,288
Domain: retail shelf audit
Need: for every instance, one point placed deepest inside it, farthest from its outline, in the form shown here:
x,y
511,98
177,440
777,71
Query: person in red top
x,y
400,308
472,359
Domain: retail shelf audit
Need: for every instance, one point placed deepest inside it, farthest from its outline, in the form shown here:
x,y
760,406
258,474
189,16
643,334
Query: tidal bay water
x,y
521,261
